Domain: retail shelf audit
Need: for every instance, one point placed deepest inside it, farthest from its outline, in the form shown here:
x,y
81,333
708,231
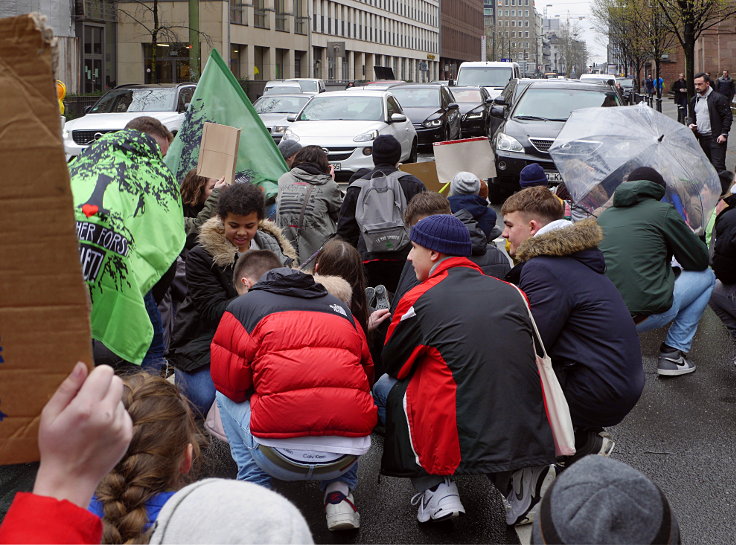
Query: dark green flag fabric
x,y
130,227
219,98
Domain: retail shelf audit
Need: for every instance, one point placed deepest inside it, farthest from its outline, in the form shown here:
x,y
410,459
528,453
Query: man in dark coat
x,y
583,320
725,86
641,235
679,93
447,396
380,268
712,116
723,299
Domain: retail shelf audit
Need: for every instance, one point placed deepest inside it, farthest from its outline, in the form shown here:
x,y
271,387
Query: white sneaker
x,y
443,503
526,491
341,512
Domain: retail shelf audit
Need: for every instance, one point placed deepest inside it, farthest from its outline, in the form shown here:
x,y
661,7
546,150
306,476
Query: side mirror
x,y
498,111
500,101
453,106
397,118
87,109
451,83
489,100
291,118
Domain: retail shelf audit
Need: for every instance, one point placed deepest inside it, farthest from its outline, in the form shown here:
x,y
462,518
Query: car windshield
x,y
308,86
279,104
558,104
136,100
626,82
417,98
467,95
346,108
283,90
487,76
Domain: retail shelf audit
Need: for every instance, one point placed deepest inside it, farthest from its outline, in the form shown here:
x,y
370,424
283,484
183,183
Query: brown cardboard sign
x,y
218,152
426,172
44,315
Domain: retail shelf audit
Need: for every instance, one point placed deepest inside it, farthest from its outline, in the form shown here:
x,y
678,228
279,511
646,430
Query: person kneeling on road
x,y
581,316
292,371
456,399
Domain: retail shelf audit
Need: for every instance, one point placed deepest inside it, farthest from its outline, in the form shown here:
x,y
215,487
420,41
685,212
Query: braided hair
x,y
163,427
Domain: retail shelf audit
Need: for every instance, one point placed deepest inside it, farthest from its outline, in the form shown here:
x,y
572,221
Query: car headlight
x,y
289,135
504,142
65,134
279,129
474,114
366,136
432,122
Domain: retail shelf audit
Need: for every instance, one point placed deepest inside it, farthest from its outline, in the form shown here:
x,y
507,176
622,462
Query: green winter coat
x,y
640,236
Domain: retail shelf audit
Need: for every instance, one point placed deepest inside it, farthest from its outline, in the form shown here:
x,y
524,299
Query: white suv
x,y
165,102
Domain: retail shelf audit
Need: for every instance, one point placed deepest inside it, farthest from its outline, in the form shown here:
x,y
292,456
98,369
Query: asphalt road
x,y
680,434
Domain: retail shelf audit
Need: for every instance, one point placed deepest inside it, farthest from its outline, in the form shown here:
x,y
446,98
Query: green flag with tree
x,y
219,98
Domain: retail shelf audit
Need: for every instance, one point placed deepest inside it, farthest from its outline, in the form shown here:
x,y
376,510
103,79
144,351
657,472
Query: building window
x,y
93,58
281,15
238,13
171,63
301,20
260,15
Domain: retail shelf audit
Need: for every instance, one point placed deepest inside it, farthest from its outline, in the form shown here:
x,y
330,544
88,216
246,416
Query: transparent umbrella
x,y
598,147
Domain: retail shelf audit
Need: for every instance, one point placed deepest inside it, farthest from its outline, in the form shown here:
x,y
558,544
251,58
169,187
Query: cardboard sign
x,y
470,155
426,172
44,316
218,152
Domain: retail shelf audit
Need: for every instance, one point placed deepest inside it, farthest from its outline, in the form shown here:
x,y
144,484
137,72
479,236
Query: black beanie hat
x,y
600,501
386,150
646,173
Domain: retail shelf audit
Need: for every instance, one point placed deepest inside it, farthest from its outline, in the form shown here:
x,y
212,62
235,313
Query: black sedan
x,y
529,128
475,109
432,110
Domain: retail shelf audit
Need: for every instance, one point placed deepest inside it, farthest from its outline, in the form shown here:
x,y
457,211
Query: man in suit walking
x,y
712,116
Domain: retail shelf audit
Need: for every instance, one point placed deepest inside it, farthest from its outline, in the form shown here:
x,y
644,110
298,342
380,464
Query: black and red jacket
x,y
469,398
299,356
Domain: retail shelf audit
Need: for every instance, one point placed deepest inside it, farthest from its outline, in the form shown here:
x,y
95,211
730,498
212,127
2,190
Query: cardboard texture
x,y
426,172
470,155
218,152
44,317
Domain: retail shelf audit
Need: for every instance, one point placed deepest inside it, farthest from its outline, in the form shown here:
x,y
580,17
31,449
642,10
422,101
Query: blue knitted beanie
x,y
442,233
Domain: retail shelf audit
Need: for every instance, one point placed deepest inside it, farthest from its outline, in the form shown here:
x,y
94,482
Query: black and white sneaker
x,y
673,363
526,491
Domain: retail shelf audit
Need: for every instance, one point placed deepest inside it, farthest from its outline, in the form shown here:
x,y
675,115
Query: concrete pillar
x,y
288,63
269,63
351,65
249,62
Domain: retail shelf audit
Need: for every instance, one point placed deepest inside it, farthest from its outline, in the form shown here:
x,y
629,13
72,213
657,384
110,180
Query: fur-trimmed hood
x,y
584,235
223,252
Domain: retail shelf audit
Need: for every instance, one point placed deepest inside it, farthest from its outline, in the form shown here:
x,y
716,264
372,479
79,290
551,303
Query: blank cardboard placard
x,y
218,152
470,155
44,316
426,171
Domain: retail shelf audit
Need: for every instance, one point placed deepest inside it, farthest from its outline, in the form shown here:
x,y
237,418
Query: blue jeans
x,y
198,387
253,466
691,295
381,389
154,360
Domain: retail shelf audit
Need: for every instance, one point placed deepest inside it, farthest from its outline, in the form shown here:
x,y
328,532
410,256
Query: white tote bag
x,y
555,404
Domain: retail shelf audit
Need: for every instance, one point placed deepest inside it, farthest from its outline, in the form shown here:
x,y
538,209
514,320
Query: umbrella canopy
x,y
598,147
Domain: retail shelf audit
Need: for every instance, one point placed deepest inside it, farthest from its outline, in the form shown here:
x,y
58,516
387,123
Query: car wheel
x,y
413,153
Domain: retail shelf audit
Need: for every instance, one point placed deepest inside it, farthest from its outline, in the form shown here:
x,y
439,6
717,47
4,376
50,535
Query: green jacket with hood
x,y
640,236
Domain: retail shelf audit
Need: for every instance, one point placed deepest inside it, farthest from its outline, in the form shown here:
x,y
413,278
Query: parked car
x,y
492,75
508,97
345,123
282,88
274,109
529,128
627,88
113,110
307,85
475,109
432,109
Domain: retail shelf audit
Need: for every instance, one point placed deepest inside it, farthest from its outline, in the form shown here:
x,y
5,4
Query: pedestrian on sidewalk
x,y
449,385
679,93
712,121
293,372
649,86
725,85
581,316
641,235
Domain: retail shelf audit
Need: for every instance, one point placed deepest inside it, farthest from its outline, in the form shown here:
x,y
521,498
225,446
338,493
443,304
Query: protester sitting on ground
x,y
581,316
640,237
238,228
308,202
723,299
84,431
464,195
448,380
165,444
485,254
602,501
292,370
227,511
382,268
289,149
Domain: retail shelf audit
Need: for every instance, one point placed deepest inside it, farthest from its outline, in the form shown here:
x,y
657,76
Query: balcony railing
x,y
301,25
282,22
260,18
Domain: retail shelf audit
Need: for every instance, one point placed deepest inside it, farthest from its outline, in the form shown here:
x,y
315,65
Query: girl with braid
x,y
159,458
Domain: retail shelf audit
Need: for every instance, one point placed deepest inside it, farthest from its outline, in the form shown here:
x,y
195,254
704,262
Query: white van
x,y
492,75
597,77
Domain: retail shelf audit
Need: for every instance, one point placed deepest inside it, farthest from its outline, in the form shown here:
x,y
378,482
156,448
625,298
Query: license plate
x,y
554,177
337,166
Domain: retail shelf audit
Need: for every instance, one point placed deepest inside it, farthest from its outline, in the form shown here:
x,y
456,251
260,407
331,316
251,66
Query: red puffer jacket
x,y
300,357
